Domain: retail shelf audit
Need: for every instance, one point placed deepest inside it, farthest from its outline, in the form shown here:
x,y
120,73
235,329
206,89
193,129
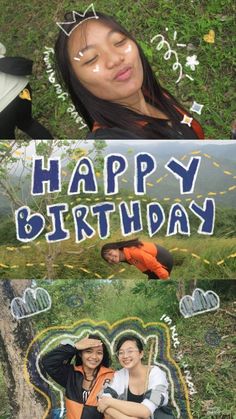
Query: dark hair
x,y
106,360
133,338
119,245
110,114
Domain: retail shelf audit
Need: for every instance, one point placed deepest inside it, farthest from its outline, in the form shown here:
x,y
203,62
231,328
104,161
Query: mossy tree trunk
x,y
15,336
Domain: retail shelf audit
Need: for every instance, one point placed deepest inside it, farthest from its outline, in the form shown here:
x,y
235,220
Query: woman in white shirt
x,y
137,391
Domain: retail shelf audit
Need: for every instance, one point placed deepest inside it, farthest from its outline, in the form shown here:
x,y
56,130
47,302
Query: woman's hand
x,y
104,403
87,343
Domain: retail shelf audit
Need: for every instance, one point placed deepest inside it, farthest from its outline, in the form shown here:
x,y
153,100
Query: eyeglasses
x,y
129,352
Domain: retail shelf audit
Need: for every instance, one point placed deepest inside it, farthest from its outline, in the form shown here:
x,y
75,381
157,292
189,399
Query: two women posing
x,y
95,391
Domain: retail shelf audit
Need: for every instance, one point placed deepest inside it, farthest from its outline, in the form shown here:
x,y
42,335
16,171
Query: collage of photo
x,y
117,210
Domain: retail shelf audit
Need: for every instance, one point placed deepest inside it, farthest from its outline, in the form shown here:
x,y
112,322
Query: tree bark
x,y
15,336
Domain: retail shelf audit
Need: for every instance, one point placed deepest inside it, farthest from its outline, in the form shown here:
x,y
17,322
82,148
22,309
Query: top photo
x,y
117,70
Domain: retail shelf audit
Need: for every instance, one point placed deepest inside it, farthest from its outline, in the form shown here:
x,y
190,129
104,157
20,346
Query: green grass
x,y
211,367
33,27
74,260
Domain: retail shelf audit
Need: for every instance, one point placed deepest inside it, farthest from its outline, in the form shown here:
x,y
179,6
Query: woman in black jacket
x,y
84,380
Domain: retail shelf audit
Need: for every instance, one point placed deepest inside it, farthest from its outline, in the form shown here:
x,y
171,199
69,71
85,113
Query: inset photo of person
x,y
108,210
106,70
111,349
153,260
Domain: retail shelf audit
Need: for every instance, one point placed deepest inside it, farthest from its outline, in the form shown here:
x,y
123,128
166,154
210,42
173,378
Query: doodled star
x,y
196,107
192,62
186,120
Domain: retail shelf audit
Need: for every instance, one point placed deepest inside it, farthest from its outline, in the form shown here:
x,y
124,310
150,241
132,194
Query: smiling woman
x,y
153,260
137,391
84,380
112,84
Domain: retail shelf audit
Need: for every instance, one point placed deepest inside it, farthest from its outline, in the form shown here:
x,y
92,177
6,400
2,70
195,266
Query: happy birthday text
x,y
46,179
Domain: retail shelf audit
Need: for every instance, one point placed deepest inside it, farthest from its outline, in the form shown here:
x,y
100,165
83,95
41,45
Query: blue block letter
x,y
155,218
102,210
130,223
83,229
58,233
50,176
178,221
28,227
114,165
83,173
207,215
187,175
145,165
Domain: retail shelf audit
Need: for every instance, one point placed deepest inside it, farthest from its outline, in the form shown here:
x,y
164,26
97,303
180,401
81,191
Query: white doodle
x,y
77,58
192,62
59,91
64,26
34,301
196,107
200,302
187,120
180,355
168,54
128,49
96,69
172,53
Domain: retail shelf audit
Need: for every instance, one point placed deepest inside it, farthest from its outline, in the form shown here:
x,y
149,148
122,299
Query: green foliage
x,y
7,232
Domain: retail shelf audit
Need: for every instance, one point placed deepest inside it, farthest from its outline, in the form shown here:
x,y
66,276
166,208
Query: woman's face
x,y
129,355
113,256
92,357
105,61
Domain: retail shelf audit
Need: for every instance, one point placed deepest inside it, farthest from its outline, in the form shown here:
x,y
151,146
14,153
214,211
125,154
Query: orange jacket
x,y
57,364
76,410
144,258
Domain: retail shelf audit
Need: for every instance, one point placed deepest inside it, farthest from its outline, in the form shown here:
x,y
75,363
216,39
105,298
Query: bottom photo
x,y
117,349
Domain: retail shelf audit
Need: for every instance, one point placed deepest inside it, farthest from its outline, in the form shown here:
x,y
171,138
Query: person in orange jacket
x,y
83,381
153,260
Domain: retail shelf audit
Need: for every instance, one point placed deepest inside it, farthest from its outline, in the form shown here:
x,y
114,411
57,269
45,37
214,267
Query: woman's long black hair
x,y
109,114
119,245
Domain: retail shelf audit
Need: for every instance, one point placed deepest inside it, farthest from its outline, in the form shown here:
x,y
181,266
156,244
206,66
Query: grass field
x,y
194,258
32,27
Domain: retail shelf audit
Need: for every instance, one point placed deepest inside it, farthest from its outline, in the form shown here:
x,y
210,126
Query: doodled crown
x,y
64,26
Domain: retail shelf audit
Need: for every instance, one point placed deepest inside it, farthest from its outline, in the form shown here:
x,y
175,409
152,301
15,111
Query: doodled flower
x,y
192,62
